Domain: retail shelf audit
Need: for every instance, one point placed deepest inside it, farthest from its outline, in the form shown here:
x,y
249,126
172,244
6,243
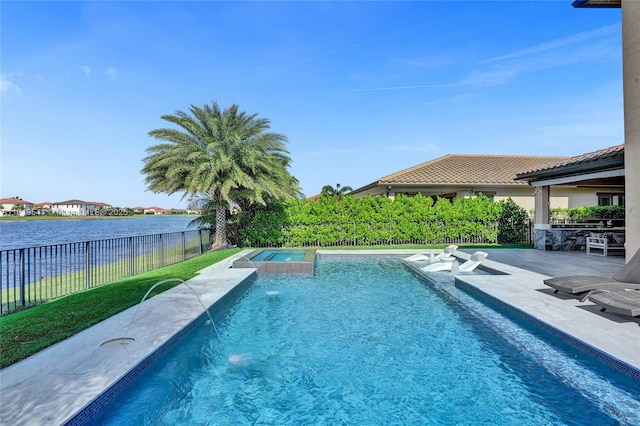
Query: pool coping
x,y
55,385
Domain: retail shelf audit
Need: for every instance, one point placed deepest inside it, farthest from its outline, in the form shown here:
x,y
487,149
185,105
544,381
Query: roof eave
x,y
365,188
583,4
574,169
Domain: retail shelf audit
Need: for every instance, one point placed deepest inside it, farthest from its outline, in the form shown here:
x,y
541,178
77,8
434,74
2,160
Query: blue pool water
x,y
369,342
279,255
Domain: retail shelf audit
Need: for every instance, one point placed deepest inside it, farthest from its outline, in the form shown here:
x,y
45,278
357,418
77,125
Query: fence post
x,y
131,270
87,265
22,277
161,253
184,249
355,241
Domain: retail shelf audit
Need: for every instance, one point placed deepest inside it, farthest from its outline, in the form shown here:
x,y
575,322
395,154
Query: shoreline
x,y
30,218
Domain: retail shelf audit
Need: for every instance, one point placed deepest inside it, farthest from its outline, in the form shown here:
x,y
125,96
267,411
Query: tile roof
x,y
469,170
14,200
611,157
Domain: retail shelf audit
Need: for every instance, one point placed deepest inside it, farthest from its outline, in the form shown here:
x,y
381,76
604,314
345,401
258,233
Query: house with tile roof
x,y
74,208
42,208
464,175
15,206
156,210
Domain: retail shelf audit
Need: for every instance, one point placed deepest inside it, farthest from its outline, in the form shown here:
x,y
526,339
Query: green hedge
x,y
372,220
587,214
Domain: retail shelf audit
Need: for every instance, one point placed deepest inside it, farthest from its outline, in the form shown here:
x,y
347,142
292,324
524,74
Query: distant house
x,y
156,210
102,205
42,208
74,208
15,206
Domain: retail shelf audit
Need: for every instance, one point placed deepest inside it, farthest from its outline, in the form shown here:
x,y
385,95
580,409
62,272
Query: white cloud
x,y
111,72
7,85
586,46
573,39
86,69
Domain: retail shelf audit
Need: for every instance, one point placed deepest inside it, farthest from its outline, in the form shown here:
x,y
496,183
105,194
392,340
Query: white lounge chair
x,y
447,252
468,266
474,261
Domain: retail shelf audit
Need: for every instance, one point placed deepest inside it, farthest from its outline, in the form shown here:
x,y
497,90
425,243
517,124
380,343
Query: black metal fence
x,y
34,275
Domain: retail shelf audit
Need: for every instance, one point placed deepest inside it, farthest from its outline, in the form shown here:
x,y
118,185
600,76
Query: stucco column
x,y
631,81
542,205
541,220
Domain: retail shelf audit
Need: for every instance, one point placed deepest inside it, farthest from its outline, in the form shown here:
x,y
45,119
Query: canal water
x,y
30,233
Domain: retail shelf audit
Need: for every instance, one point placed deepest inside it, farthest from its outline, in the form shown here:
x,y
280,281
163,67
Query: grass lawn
x,y
26,332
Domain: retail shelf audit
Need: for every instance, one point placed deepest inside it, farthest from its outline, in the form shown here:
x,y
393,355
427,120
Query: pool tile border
x,y
96,406
618,365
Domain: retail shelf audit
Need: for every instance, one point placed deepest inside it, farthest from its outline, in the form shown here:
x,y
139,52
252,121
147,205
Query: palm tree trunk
x,y
220,240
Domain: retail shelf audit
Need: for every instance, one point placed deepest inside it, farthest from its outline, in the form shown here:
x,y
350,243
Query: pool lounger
x,y
447,252
619,302
628,277
468,266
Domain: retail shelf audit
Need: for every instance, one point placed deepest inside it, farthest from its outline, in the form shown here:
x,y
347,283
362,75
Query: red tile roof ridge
x,y
14,200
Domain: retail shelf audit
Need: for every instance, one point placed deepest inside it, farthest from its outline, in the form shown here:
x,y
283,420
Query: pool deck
x,y
52,386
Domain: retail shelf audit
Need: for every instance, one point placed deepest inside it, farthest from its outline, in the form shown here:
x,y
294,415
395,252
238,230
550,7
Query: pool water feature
x,y
367,341
279,261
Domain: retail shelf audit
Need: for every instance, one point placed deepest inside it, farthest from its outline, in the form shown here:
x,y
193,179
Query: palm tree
x,y
337,192
222,156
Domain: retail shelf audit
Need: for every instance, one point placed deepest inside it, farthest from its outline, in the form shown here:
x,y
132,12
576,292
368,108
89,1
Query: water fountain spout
x,y
125,340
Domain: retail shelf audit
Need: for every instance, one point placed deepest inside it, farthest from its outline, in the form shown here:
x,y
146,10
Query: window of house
x,y
610,199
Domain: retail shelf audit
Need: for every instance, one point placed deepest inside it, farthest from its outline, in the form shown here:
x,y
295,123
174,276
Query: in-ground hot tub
x,y
279,261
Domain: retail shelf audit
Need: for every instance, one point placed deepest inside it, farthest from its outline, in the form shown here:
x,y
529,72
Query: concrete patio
x,y
52,386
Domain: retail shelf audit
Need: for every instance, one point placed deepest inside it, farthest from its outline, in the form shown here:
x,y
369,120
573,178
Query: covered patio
x,y
603,170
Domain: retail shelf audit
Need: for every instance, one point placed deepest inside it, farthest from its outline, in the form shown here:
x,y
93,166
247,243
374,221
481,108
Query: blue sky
x,y
361,89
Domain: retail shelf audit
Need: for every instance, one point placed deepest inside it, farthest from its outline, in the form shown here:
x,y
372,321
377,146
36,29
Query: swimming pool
x,y
366,341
